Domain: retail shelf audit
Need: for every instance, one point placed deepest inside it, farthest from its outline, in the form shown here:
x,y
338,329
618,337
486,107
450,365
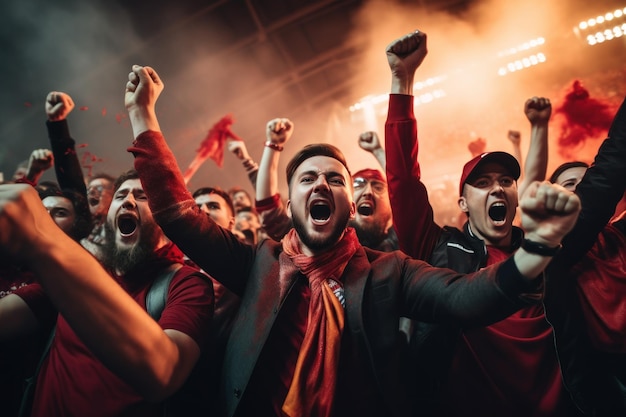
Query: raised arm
x,y
478,146
277,132
548,213
239,149
538,111
39,161
515,137
369,142
404,56
66,164
412,213
274,219
116,328
216,250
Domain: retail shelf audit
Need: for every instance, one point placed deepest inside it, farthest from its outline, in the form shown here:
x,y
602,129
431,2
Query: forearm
x,y
412,217
252,169
66,164
536,163
33,177
402,84
401,138
118,331
158,169
468,300
517,153
273,215
267,175
379,154
142,120
531,265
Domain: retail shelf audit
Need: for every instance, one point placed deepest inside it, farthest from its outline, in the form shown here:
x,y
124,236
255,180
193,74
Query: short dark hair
x,y
218,191
82,222
564,167
314,149
110,179
237,189
131,174
104,176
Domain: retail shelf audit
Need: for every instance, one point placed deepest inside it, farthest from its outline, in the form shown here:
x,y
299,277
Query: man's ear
x,y
289,209
231,223
352,210
462,202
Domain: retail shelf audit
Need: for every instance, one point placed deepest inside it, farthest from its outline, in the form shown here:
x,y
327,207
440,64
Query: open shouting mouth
x,y
127,224
320,211
497,213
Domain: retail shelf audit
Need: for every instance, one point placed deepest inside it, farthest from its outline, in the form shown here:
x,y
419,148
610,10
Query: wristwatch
x,y
539,249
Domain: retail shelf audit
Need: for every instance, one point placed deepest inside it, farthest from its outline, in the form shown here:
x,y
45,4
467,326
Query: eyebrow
x,y
318,173
126,191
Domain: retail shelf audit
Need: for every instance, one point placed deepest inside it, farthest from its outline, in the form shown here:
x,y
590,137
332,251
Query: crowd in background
x,y
322,302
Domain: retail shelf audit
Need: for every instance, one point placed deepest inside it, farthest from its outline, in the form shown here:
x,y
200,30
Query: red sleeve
x,y
601,285
190,305
412,213
213,248
274,219
160,175
269,203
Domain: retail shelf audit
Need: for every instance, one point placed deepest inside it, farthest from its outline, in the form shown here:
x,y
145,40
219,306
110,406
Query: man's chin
x,y
320,240
126,242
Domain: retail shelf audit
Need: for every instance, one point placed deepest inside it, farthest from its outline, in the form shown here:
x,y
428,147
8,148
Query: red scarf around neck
x,y
312,389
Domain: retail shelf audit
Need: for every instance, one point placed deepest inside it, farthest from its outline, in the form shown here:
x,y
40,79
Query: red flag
x,y
212,146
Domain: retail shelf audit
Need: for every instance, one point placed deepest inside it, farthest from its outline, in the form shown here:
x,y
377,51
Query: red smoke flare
x,y
584,118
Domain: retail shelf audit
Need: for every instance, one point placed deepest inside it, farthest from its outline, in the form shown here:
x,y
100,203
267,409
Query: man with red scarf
x,y
108,356
316,333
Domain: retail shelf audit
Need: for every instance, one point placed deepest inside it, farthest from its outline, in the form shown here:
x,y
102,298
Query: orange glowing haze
x,y
207,76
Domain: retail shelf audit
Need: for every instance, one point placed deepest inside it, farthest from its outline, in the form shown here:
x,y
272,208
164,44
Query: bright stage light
x,y
523,63
533,43
603,27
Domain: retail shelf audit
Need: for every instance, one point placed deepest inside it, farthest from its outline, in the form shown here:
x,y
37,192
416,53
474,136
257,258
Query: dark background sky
x,y
306,60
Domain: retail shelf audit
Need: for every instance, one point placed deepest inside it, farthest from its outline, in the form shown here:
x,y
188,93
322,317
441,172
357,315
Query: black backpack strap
x,y
157,294
29,388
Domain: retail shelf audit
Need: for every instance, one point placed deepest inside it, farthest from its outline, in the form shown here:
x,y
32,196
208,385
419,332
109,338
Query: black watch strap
x,y
539,249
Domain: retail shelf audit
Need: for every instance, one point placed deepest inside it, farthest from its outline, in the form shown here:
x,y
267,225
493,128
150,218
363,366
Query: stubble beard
x,y
319,244
370,234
